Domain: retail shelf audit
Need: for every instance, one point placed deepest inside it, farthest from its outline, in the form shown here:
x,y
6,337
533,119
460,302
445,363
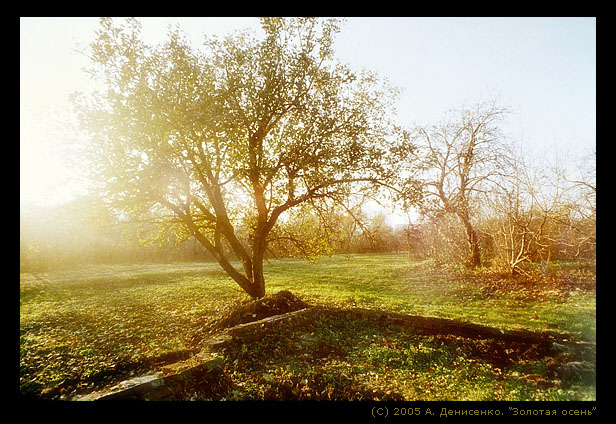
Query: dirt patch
x,y
268,306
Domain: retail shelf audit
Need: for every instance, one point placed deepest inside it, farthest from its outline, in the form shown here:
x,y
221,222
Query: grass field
x,y
83,328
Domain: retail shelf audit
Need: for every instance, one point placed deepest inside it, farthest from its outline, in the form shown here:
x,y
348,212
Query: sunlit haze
x,y
542,68
304,208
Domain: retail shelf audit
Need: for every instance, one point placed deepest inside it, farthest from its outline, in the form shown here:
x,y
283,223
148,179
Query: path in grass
x,y
77,326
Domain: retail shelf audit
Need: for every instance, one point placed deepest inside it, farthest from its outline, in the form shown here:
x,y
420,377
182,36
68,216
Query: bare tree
x,y
583,206
511,219
538,213
462,155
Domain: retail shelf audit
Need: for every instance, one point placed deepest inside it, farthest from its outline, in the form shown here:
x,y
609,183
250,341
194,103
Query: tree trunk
x,y
253,282
258,253
473,242
258,279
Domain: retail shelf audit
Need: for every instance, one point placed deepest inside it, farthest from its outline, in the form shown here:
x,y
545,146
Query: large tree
x,y
225,140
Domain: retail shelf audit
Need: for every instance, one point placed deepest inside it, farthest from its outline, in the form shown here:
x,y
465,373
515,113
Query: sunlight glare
x,y
44,178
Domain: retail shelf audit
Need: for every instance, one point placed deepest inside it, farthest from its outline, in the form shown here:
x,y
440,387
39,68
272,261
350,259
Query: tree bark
x,y
258,280
473,242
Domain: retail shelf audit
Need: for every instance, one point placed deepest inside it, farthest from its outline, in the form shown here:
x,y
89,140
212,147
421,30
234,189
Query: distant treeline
x,y
84,232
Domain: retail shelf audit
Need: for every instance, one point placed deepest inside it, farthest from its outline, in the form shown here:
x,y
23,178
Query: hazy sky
x,y
544,69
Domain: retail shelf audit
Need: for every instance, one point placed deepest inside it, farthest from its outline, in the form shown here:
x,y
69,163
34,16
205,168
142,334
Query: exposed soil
x,y
277,304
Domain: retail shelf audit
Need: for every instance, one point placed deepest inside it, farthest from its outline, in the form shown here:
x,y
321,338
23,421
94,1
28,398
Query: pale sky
x,y
544,69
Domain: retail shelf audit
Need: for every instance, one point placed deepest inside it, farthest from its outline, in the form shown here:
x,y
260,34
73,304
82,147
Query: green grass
x,y
391,282
360,360
84,327
74,326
